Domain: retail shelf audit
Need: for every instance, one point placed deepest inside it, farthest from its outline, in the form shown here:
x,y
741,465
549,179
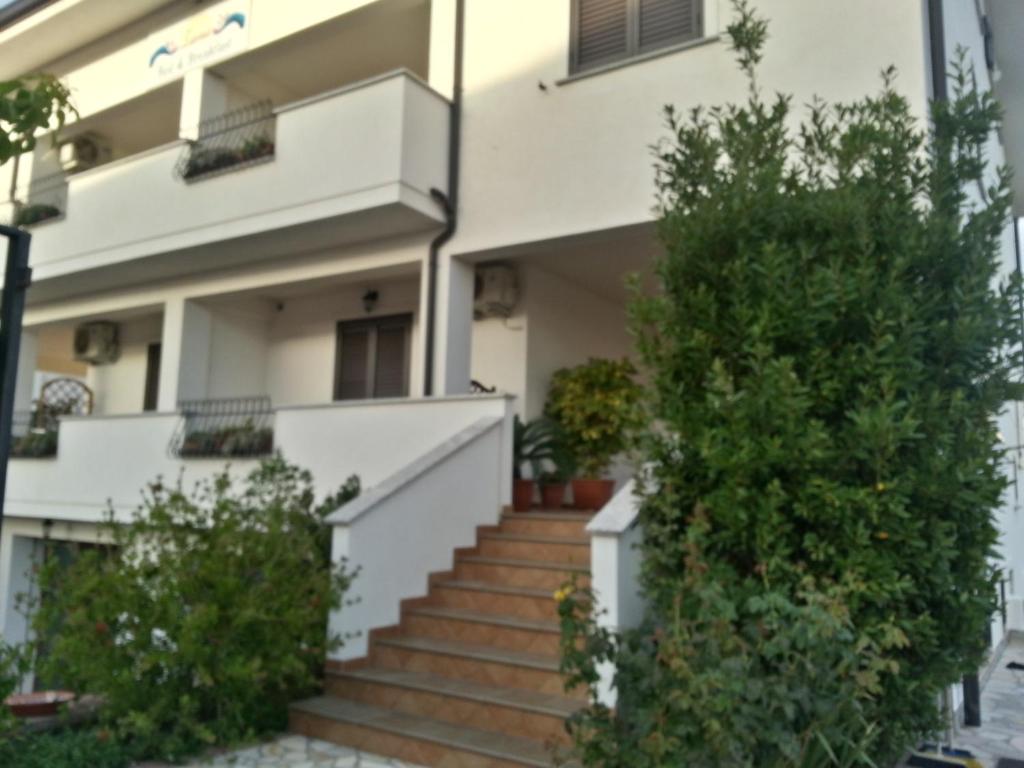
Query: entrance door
x,y
372,358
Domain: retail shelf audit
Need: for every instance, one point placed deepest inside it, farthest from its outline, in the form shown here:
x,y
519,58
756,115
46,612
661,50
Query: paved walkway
x,y
1002,712
299,752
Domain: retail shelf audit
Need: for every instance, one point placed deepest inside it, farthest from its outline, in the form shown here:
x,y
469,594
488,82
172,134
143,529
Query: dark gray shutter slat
x,y
664,22
391,379
352,370
601,31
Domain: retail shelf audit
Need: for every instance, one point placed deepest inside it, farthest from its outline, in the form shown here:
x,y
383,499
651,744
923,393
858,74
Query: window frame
x,y
373,325
633,49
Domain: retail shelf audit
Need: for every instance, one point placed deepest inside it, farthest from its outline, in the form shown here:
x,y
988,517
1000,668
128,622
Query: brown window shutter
x,y
666,22
391,379
353,364
601,32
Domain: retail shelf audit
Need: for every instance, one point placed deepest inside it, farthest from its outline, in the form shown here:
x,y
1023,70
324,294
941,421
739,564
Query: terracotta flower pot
x,y
552,495
522,494
39,704
591,493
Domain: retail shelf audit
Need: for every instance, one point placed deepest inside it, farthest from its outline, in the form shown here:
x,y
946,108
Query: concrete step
x,y
494,630
517,572
413,738
478,664
485,597
537,716
562,549
546,523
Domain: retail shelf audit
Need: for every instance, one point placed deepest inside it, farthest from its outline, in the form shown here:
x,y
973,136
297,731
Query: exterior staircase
x,y
469,678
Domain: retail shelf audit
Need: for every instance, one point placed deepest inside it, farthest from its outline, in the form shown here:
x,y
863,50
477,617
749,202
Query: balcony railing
x,y
34,434
228,427
231,141
41,200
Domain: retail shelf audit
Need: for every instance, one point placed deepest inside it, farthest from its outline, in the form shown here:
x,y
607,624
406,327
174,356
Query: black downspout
x,y
17,276
937,45
449,202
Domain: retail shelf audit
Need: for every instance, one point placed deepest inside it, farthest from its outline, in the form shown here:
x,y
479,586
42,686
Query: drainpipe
x,y
937,47
449,203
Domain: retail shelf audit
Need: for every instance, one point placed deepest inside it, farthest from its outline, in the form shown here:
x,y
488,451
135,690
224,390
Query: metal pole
x,y
17,276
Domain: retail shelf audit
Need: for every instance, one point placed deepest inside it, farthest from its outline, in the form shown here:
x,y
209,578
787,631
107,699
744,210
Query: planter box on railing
x,y
231,141
34,435
239,427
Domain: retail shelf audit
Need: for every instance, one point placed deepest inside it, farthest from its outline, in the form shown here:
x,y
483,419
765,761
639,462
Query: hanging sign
x,y
220,31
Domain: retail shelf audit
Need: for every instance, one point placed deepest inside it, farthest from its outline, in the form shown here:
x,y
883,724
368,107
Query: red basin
x,y
38,704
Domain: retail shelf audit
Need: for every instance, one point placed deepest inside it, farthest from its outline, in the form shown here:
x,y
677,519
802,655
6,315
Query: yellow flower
x,y
561,594
880,487
882,535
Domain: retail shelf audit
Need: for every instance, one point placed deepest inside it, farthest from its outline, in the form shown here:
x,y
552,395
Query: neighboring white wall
x,y
120,387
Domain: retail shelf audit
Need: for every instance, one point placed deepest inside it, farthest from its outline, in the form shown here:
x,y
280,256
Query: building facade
x,y
367,232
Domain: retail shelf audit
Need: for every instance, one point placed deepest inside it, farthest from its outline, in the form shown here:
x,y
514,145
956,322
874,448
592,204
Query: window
x,y
372,358
151,393
606,31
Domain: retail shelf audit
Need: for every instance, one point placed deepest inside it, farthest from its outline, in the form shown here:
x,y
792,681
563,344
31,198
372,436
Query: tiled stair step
x,y
575,550
413,738
532,715
516,572
496,631
478,664
484,597
546,523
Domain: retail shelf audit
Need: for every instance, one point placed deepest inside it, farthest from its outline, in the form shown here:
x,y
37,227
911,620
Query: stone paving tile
x,y
292,751
1001,733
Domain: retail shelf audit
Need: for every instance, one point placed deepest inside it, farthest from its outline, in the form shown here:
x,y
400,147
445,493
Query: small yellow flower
x,y
880,487
882,535
561,594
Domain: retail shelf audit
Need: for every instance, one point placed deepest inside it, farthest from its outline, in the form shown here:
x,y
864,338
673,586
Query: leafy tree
x,y
826,358
205,617
29,105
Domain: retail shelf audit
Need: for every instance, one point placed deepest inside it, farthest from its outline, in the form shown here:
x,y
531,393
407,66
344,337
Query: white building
x,y
246,209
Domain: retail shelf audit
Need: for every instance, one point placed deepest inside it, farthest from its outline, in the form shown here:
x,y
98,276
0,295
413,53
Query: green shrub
x,y
12,668
207,615
596,408
89,748
827,357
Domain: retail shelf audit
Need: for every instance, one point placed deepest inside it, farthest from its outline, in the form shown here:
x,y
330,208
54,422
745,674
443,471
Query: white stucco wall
x,y
119,387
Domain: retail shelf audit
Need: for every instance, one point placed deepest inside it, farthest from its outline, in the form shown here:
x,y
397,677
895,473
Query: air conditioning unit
x,y
496,291
96,343
87,150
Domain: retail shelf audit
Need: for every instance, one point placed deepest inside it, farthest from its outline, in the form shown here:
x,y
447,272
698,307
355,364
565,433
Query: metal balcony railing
x,y
230,427
34,434
40,200
234,140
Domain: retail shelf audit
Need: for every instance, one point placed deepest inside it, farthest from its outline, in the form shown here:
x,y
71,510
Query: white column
x,y
27,356
442,47
454,330
15,571
203,95
184,353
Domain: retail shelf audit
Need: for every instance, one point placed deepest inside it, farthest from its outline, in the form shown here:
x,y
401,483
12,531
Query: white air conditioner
x,y
87,150
96,343
497,291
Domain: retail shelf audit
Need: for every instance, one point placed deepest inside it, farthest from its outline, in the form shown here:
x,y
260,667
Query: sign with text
x,y
217,32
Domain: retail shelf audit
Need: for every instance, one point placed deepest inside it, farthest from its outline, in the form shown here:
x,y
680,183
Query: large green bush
x,y
827,356
65,748
205,617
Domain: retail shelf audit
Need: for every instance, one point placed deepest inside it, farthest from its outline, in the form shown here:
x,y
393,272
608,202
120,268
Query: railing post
x,y
17,277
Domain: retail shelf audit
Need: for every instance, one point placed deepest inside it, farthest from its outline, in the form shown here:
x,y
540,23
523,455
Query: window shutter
x,y
353,358
664,22
390,379
601,31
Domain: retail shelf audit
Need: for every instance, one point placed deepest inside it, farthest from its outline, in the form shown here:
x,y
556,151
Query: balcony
x,y
348,165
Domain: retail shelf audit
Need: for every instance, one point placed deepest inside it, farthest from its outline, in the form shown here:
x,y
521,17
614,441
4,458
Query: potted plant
x,y
532,445
595,405
554,481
